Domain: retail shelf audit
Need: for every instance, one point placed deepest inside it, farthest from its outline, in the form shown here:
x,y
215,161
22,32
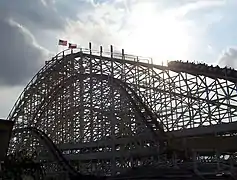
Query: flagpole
x,y
58,47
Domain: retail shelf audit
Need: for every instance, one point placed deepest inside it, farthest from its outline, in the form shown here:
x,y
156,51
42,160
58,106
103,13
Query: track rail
x,y
51,147
57,154
156,126
117,57
202,69
149,118
152,120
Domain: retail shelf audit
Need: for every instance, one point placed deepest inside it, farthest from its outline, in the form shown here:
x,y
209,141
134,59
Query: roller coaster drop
x,y
109,112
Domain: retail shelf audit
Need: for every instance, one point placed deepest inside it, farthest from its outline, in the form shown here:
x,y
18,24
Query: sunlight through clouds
x,y
156,33
166,33
145,28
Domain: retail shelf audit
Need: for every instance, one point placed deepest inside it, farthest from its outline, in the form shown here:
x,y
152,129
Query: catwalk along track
x,y
109,113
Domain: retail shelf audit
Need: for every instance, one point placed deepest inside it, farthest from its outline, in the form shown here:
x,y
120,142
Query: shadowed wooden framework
x,y
104,127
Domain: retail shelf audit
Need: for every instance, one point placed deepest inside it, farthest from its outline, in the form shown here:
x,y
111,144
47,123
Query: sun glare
x,y
157,34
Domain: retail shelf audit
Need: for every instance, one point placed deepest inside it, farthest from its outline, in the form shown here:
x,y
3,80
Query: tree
x,y
21,165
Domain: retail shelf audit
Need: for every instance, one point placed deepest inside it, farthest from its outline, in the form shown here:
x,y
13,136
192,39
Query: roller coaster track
x,y
150,118
200,69
60,57
51,65
61,160
145,113
57,154
51,147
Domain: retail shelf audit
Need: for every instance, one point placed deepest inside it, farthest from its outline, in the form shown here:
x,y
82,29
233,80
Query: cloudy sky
x,y
200,30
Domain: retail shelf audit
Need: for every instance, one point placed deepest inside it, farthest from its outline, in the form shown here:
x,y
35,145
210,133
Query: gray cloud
x,y
32,13
229,58
20,56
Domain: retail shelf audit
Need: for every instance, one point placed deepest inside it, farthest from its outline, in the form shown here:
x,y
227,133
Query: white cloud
x,y
29,36
229,57
197,5
143,28
100,24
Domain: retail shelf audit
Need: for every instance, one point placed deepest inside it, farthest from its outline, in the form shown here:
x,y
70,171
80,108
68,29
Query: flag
x,y
62,42
72,46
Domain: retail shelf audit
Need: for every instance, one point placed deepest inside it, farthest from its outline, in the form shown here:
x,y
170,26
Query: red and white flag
x,y
62,42
72,46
